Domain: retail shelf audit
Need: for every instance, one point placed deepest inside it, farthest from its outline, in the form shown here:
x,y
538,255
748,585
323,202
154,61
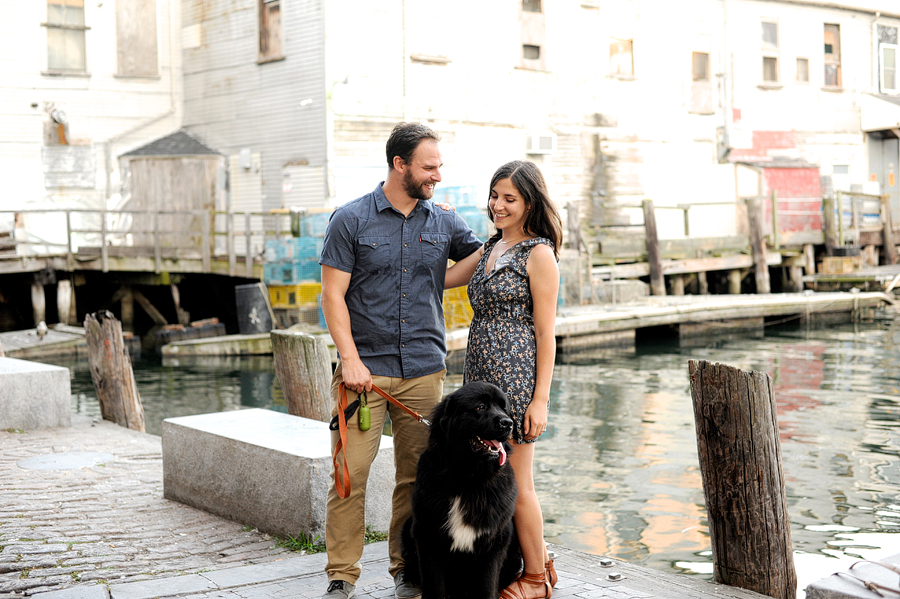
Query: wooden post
x,y
809,258
743,480
887,235
702,284
111,371
657,280
775,240
830,225
734,281
64,294
303,367
678,285
126,308
840,218
758,244
38,302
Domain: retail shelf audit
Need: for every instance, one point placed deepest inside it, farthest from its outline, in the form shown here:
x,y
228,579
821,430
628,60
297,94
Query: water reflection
x,y
617,471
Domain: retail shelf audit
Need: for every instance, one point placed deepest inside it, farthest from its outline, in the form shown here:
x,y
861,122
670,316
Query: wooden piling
x,y
111,371
303,367
890,250
657,280
743,480
758,244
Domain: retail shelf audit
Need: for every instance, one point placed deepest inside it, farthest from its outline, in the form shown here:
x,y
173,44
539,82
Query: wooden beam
x,y
758,244
657,280
150,309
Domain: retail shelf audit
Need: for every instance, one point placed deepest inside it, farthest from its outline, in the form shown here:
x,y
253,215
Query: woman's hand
x,y
536,417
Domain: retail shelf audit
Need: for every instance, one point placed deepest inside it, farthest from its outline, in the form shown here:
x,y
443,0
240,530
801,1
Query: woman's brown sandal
x,y
552,576
517,591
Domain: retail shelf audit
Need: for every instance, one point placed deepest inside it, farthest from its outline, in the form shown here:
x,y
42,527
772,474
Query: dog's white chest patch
x,y
463,534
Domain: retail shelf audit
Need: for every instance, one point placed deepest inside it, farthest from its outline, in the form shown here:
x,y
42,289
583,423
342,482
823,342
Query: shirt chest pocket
x,y
374,252
434,247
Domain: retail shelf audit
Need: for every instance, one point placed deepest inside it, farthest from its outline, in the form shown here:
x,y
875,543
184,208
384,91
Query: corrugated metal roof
x,y
180,143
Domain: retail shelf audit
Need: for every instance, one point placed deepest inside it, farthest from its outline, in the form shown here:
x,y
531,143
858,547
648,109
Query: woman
x,y
513,291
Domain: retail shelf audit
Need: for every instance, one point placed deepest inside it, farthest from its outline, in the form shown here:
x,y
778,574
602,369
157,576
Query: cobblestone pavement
x,y
106,522
104,531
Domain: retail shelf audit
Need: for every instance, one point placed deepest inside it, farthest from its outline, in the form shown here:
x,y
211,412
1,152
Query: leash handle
x,y
342,482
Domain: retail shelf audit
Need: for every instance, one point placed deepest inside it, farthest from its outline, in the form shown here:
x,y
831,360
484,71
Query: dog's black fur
x,y
460,541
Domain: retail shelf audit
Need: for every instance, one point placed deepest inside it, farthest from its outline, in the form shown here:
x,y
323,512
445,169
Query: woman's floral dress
x,y
501,348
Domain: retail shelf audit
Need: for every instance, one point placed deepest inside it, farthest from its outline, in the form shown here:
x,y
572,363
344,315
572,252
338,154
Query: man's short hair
x,y
404,140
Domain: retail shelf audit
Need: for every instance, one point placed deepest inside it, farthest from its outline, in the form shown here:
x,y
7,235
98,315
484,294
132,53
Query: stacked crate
x,y
468,206
293,276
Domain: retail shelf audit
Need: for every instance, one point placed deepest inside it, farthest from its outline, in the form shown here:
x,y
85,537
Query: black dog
x,y
460,541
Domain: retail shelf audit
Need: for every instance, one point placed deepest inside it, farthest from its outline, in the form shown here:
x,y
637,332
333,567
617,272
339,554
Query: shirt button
x,y
402,345
404,295
404,270
373,245
404,320
406,245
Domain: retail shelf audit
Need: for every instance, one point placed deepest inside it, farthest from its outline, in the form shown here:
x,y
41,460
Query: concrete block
x,y
849,585
266,469
34,395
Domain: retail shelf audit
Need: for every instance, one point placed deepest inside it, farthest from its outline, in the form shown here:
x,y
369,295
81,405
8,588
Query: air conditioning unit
x,y
540,142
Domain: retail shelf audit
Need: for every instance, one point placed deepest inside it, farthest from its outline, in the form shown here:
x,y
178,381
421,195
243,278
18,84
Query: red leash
x,y
342,483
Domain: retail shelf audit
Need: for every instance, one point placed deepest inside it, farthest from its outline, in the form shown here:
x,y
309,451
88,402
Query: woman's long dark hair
x,y
541,217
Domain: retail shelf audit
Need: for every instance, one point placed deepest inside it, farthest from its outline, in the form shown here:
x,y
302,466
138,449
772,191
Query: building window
x,y
531,5
888,50
136,38
700,66
530,52
770,52
888,64
65,35
832,55
269,30
802,70
621,58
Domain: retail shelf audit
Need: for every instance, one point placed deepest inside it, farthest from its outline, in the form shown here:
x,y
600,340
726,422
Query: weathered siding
x,y
107,113
276,109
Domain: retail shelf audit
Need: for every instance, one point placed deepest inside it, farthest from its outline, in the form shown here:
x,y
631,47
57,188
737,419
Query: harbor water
x,y
617,472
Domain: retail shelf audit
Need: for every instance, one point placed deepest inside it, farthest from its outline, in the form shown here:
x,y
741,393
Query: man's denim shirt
x,y
397,266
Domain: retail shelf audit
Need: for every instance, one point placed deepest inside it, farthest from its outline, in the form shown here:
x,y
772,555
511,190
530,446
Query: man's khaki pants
x,y
345,520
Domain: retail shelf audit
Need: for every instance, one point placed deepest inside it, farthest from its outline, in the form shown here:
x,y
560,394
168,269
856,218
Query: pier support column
x,y
65,301
127,309
734,281
678,285
657,279
38,302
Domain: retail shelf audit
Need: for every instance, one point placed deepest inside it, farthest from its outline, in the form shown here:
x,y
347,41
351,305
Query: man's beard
x,y
417,192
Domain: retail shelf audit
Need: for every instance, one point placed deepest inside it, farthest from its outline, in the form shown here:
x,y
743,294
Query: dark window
x,y
530,52
269,29
700,66
531,5
832,55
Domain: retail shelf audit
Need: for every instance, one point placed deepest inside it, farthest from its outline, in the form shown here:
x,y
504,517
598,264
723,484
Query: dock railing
x,y
80,234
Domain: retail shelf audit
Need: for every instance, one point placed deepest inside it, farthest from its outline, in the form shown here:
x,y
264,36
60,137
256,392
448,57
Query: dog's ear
x,y
443,416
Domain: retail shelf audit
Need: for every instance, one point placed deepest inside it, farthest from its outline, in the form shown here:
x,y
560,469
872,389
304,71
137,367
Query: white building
x,y
616,100
82,83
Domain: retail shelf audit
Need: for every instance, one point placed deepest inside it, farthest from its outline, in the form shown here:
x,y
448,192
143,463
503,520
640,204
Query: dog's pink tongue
x,y
499,446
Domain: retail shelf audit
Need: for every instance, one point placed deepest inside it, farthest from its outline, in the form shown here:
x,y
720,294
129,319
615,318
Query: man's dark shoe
x,y
405,590
339,589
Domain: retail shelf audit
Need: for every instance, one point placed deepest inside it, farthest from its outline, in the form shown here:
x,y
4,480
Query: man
x,y
383,268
